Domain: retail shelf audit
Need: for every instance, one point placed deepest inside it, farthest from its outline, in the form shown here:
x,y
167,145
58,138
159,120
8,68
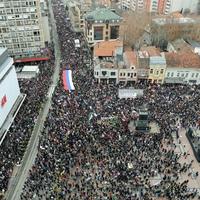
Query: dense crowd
x,y
17,138
80,158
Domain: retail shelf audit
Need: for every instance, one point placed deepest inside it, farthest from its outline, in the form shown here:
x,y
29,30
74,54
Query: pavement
x,y
184,146
21,172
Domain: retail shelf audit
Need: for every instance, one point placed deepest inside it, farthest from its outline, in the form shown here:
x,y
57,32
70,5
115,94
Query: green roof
x,y
102,14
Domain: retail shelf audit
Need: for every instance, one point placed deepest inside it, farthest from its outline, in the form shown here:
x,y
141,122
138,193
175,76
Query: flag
x,y
3,101
67,80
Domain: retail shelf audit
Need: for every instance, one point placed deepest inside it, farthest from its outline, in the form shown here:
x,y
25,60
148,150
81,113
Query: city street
x,y
21,172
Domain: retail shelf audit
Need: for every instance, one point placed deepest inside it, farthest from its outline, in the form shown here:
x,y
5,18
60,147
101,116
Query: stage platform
x,y
11,116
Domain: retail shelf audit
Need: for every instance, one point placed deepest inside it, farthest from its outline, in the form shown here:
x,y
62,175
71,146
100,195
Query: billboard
x,y
9,92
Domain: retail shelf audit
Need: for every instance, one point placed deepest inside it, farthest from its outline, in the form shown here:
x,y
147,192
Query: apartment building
x,y
77,11
21,27
159,6
135,5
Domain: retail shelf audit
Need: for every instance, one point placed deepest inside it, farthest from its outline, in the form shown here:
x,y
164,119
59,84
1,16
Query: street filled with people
x,y
16,140
81,158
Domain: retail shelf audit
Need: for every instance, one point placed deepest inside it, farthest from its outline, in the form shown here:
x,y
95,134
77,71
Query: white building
x,y
182,68
22,27
9,87
120,71
134,5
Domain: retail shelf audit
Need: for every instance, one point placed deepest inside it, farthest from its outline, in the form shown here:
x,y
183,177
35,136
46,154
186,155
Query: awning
x,y
22,60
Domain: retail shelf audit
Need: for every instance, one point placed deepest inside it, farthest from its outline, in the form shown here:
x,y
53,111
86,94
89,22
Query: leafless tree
x,y
133,26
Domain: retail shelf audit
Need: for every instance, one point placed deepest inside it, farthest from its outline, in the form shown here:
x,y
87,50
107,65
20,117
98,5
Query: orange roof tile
x,y
182,59
152,50
131,57
106,48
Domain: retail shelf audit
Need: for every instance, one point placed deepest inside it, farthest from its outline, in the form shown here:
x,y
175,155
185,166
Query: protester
x,y
82,157
17,138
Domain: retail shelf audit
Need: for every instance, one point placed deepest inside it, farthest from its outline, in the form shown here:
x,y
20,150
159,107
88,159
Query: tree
x,y
133,26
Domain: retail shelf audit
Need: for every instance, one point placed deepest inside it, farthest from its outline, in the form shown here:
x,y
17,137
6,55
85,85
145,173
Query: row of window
x,y
152,71
19,3
114,73
183,75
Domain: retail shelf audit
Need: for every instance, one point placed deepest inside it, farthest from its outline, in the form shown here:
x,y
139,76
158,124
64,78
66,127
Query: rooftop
x,y
181,45
106,48
151,50
102,15
157,60
2,50
182,59
107,65
174,20
131,57
193,43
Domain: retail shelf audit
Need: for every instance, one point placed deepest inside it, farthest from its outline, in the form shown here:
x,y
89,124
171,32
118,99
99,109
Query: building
x,y
114,65
157,68
9,87
159,6
128,72
143,65
157,64
102,24
179,45
21,28
77,11
134,5
182,68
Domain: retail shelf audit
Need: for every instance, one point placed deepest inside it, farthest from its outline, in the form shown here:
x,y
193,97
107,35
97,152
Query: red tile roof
x,y
182,59
131,57
151,50
106,48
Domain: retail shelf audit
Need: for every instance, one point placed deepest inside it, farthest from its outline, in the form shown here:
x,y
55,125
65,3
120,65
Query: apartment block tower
x,y
159,6
21,29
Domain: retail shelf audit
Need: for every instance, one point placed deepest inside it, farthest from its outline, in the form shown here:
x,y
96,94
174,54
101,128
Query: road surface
x,y
17,182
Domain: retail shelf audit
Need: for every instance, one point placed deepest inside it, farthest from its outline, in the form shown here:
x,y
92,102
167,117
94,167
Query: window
x,y
124,74
178,74
192,75
135,74
157,72
182,75
106,26
197,74
168,74
151,71
114,32
186,75
120,74
161,71
112,73
98,33
172,74
104,73
97,73
128,74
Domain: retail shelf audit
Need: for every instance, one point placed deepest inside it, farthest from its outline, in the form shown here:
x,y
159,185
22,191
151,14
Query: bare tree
x,y
133,26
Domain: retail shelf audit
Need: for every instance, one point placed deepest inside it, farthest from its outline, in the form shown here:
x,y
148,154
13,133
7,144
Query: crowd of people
x,y
80,158
17,138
